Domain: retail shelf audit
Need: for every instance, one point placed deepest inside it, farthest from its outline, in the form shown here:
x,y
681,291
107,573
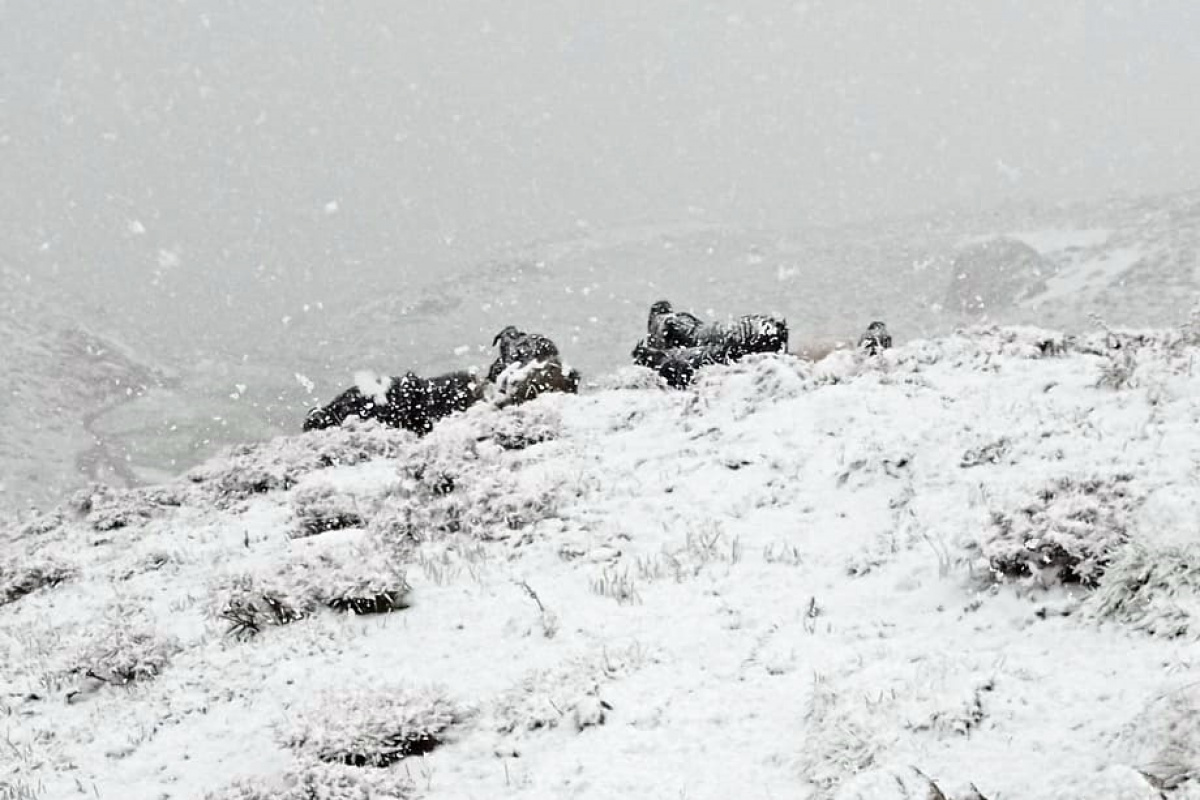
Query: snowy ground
x,y
755,588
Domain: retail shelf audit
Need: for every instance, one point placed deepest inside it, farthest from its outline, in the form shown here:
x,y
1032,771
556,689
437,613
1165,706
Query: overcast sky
x,y
196,158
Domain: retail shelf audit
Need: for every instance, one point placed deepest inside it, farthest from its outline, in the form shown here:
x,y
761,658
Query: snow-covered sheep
x,y
678,365
667,328
520,383
518,347
409,401
875,339
753,333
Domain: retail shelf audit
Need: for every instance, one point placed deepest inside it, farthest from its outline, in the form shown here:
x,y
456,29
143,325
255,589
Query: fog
x,y
196,170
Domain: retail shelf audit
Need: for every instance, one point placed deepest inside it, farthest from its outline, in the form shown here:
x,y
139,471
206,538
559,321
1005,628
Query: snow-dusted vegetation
x,y
964,568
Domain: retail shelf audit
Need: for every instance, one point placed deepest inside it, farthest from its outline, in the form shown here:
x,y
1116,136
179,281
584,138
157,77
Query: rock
x,y
992,275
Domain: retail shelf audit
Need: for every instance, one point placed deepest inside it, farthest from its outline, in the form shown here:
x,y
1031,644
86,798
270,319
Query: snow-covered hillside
x,y
971,560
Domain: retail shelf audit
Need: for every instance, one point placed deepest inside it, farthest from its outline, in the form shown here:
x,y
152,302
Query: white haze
x,y
198,170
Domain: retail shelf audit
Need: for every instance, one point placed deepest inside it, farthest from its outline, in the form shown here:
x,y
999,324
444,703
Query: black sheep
x,y
875,339
666,327
678,365
353,402
549,375
753,333
454,391
519,347
756,333
409,401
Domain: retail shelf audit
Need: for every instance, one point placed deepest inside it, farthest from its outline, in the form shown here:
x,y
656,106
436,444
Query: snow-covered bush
x,y
107,508
21,577
841,739
1020,341
760,381
486,506
458,484
18,790
547,698
316,780
364,580
248,602
322,508
36,529
856,716
371,727
1066,533
126,647
1156,590
348,578
1163,739
521,426
247,470
1119,369
631,377
976,347
993,452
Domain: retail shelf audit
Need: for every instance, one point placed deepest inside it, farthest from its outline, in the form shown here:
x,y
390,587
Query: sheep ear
x,y
496,339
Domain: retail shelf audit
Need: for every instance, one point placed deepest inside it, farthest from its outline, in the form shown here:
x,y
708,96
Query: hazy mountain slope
x,y
1132,269
59,377
1138,259
757,587
1132,261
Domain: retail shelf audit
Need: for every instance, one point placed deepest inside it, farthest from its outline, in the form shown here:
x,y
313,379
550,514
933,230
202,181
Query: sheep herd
x,y
676,346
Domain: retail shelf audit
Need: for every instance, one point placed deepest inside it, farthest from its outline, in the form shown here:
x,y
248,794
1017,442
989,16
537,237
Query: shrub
x,y
371,727
1065,534
521,426
1156,590
1118,370
855,717
20,579
840,740
126,647
319,781
762,380
1163,740
319,509
18,790
545,698
250,602
435,464
1020,341
354,578
631,377
247,470
38,528
109,508
348,578
484,503
990,453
